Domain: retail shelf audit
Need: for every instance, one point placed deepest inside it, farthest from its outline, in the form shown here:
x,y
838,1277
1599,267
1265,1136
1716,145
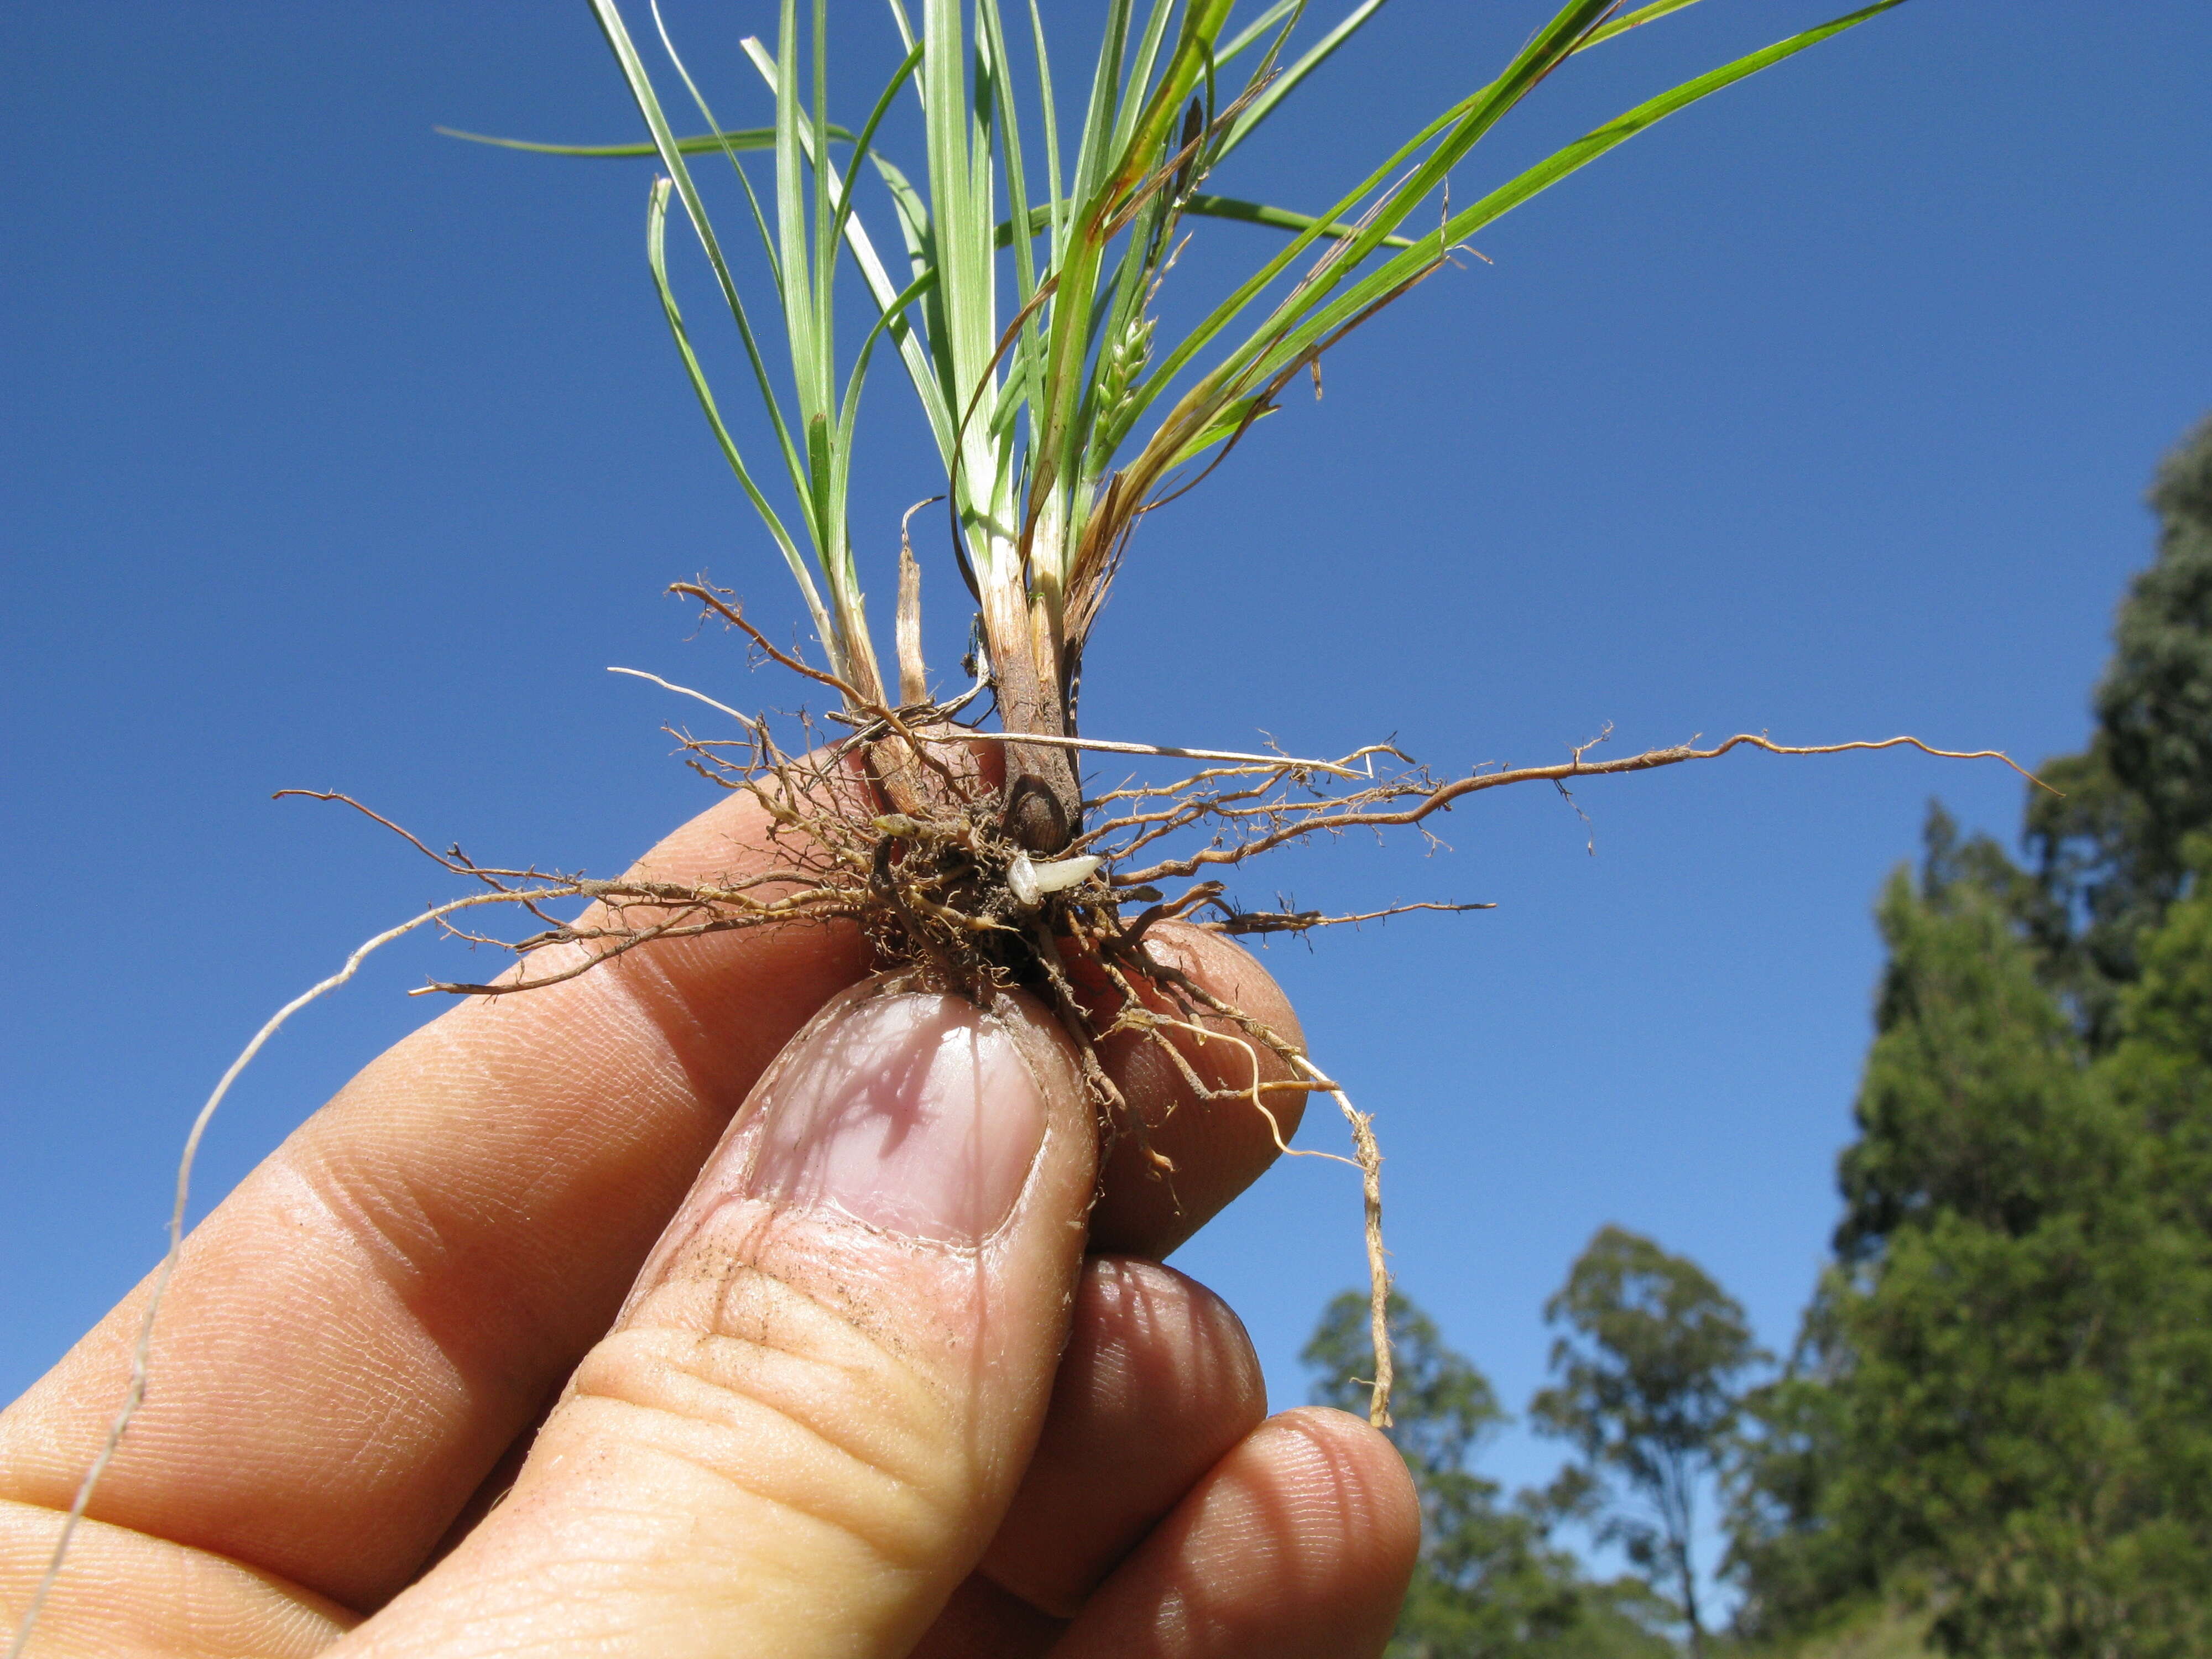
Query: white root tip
x,y
1029,882
1063,873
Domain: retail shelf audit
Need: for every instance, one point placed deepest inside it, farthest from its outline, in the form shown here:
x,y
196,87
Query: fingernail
x,y
912,1112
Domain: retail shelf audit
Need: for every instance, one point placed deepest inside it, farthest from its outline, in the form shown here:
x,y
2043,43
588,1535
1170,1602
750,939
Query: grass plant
x,y
1013,269
1022,315
1022,309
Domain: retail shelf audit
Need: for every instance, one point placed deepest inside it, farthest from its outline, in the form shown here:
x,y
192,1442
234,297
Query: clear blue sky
x,y
339,454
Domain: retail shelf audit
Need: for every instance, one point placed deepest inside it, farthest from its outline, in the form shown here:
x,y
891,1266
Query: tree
x,y
2107,848
1971,1096
1798,1568
2162,1069
1490,1584
1646,1394
2001,1404
2008,1408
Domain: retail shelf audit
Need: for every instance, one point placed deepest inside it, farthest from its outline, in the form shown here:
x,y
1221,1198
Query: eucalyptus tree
x,y
1649,1364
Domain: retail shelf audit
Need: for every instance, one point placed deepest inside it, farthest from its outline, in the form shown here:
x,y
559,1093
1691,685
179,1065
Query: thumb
x,y
812,1414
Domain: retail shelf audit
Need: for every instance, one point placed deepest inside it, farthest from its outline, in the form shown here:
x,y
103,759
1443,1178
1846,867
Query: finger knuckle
x,y
790,1399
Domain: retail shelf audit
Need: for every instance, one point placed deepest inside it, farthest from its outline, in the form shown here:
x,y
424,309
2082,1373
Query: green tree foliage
x,y
1972,1100
1800,1568
1647,1369
2004,1398
2107,850
2001,1405
2028,1415
2162,1070
1491,1583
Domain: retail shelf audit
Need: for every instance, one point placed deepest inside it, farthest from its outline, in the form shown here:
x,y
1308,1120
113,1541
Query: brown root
x,y
895,829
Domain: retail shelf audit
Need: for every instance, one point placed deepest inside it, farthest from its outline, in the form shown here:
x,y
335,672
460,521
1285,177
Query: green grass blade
x,y
1233,419
832,467
1258,27
1246,292
904,25
1063,387
1258,213
912,216
1050,111
963,227
1180,356
697,143
991,41
1101,113
799,310
825,246
701,144
1274,350
928,377
737,167
648,103
848,414
884,321
1314,58
1287,83
1257,82
1463,122
920,235
1542,176
1634,19
1216,207
864,145
657,258
890,308
1543,53
1134,105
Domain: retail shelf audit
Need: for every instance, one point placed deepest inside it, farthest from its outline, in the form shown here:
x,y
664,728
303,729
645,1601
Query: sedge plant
x,y
1021,309
1013,268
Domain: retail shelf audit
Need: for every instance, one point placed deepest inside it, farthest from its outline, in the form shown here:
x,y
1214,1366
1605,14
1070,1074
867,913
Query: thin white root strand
x,y
1378,1264
141,1351
1368,1160
1205,1035
745,720
1284,763
1102,745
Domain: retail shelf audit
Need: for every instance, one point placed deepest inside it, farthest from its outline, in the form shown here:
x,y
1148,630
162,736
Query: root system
x,y
897,826
901,827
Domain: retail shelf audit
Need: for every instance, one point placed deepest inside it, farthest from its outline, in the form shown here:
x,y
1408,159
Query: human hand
x,y
889,1381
